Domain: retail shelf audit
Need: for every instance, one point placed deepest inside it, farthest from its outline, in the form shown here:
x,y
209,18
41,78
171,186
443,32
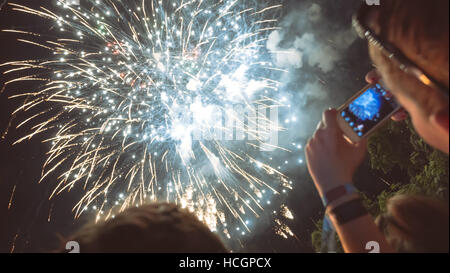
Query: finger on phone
x,y
400,115
373,76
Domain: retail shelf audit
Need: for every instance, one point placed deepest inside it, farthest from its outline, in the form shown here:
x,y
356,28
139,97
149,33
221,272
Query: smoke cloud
x,y
313,45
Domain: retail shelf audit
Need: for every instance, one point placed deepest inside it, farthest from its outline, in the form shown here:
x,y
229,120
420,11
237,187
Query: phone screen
x,y
368,109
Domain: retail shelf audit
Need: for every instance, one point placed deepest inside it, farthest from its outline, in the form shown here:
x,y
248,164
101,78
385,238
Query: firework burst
x,y
158,100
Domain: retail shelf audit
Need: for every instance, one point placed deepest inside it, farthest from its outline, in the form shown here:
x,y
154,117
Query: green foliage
x,y
397,145
397,148
316,238
426,169
387,148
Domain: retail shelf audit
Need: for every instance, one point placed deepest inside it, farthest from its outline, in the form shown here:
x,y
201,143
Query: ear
x,y
441,121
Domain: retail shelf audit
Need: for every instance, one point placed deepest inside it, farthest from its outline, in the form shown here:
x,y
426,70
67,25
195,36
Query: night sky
x,y
32,223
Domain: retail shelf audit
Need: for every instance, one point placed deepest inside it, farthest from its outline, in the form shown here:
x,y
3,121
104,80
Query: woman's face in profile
x,y
397,81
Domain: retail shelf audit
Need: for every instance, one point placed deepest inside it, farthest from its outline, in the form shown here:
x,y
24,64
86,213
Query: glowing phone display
x,y
369,109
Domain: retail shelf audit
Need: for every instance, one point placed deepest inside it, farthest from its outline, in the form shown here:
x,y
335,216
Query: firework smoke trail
x,y
133,98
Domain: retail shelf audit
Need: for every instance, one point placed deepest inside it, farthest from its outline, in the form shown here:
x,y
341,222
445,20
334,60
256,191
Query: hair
x,y
155,228
422,28
422,22
416,224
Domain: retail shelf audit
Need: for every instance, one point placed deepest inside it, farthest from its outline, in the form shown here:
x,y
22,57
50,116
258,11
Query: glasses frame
x,y
393,53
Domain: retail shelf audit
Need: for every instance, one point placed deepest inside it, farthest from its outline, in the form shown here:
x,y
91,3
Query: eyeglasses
x,y
392,53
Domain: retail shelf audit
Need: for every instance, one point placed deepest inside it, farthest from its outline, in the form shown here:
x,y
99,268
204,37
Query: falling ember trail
x,y
13,245
12,197
50,213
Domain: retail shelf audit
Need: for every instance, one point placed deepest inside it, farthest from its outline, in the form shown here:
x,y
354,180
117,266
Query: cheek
x,y
420,121
425,129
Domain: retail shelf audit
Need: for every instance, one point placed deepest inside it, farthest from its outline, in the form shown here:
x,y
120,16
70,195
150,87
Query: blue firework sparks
x,y
145,91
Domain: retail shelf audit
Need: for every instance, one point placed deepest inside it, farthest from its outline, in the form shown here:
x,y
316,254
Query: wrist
x,y
340,201
324,186
338,194
347,211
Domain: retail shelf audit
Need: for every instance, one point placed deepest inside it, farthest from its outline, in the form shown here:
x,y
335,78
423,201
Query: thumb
x,y
359,149
362,145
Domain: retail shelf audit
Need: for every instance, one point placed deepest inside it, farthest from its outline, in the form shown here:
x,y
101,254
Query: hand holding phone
x,y
332,160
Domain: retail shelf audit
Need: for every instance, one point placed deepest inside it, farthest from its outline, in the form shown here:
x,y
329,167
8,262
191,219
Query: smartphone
x,y
367,110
